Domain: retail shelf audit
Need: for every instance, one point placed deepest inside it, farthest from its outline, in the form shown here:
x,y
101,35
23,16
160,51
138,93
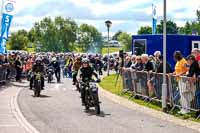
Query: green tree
x,y
89,39
18,40
55,35
145,30
172,28
198,16
194,25
125,40
186,29
115,37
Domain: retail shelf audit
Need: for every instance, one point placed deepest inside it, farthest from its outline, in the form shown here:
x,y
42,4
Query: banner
x,y
154,19
7,16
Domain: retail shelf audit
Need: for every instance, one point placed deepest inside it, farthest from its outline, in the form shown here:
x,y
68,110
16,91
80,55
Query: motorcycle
x,y
50,72
91,96
37,84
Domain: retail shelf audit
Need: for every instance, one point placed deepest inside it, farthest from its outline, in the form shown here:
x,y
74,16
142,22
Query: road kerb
x,y
19,116
156,114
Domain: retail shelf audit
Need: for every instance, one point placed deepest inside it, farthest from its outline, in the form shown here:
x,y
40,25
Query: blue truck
x,y
150,43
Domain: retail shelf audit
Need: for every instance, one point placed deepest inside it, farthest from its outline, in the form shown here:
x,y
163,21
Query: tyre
x,y
87,106
97,105
37,89
49,78
97,109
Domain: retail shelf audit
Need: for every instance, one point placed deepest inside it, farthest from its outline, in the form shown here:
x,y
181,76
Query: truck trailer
x,y
148,44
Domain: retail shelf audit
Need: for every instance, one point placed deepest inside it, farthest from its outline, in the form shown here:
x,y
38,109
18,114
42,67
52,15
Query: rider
x,y
75,68
56,66
85,73
38,67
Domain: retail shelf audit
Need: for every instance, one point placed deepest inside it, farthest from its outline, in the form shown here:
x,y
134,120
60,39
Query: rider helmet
x,y
85,61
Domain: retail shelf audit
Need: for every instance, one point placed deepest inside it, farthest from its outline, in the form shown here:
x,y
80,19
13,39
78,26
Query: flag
x,y
7,16
154,19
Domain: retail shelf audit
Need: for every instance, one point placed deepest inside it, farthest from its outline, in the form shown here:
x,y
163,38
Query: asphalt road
x,y
59,110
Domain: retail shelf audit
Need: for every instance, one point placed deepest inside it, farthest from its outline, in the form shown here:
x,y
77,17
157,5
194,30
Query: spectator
x,y
147,65
194,73
138,66
18,67
160,66
1,59
196,54
133,59
180,70
181,64
153,61
128,62
157,54
194,70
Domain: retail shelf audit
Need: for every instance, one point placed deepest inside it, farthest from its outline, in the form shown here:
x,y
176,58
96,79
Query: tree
x,y
198,16
115,37
172,28
194,25
145,30
56,35
89,39
186,29
125,40
18,40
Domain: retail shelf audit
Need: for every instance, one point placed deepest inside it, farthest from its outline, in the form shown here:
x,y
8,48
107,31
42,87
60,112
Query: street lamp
x,y
164,85
108,25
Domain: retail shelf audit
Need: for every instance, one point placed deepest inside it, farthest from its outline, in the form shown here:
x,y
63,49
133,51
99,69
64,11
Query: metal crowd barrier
x,y
3,73
12,72
183,92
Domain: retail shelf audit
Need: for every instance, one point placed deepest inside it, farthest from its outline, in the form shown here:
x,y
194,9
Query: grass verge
x,y
114,85
112,49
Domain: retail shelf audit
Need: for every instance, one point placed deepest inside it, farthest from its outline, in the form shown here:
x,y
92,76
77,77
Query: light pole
x,y
164,85
108,25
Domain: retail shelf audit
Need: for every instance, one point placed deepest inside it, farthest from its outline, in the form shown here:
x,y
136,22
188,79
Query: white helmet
x,y
54,59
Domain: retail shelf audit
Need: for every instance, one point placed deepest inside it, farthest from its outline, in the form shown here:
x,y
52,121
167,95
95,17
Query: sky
x,y
126,15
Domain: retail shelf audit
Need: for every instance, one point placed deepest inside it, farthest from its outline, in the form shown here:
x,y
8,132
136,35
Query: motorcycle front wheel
x,y
97,105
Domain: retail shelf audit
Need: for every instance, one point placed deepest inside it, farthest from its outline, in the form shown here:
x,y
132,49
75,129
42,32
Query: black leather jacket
x,y
38,68
87,73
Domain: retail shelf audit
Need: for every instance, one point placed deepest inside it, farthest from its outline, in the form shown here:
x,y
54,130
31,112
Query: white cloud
x,y
99,9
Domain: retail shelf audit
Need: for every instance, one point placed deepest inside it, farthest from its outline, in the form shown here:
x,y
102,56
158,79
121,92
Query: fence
x,y
7,72
183,92
3,74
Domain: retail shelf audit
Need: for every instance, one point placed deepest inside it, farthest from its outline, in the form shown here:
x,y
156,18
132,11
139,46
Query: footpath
x,y
11,119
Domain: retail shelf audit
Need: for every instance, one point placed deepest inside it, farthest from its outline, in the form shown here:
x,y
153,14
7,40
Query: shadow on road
x,y
20,84
54,82
92,112
42,96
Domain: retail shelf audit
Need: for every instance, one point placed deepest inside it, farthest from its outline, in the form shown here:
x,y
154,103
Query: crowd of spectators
x,y
187,68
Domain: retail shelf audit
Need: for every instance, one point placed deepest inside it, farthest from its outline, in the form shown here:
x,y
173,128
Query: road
x,y
59,110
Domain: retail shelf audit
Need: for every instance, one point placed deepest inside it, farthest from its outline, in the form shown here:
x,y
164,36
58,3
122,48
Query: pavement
x,y
11,119
59,110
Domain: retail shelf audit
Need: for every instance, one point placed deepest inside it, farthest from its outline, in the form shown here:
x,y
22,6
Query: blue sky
x,y
126,15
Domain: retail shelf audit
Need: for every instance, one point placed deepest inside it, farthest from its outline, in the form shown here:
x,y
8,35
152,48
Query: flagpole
x,y
152,21
2,6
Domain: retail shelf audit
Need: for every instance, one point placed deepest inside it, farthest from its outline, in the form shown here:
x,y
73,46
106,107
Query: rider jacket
x,y
87,73
38,68
56,66
76,66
